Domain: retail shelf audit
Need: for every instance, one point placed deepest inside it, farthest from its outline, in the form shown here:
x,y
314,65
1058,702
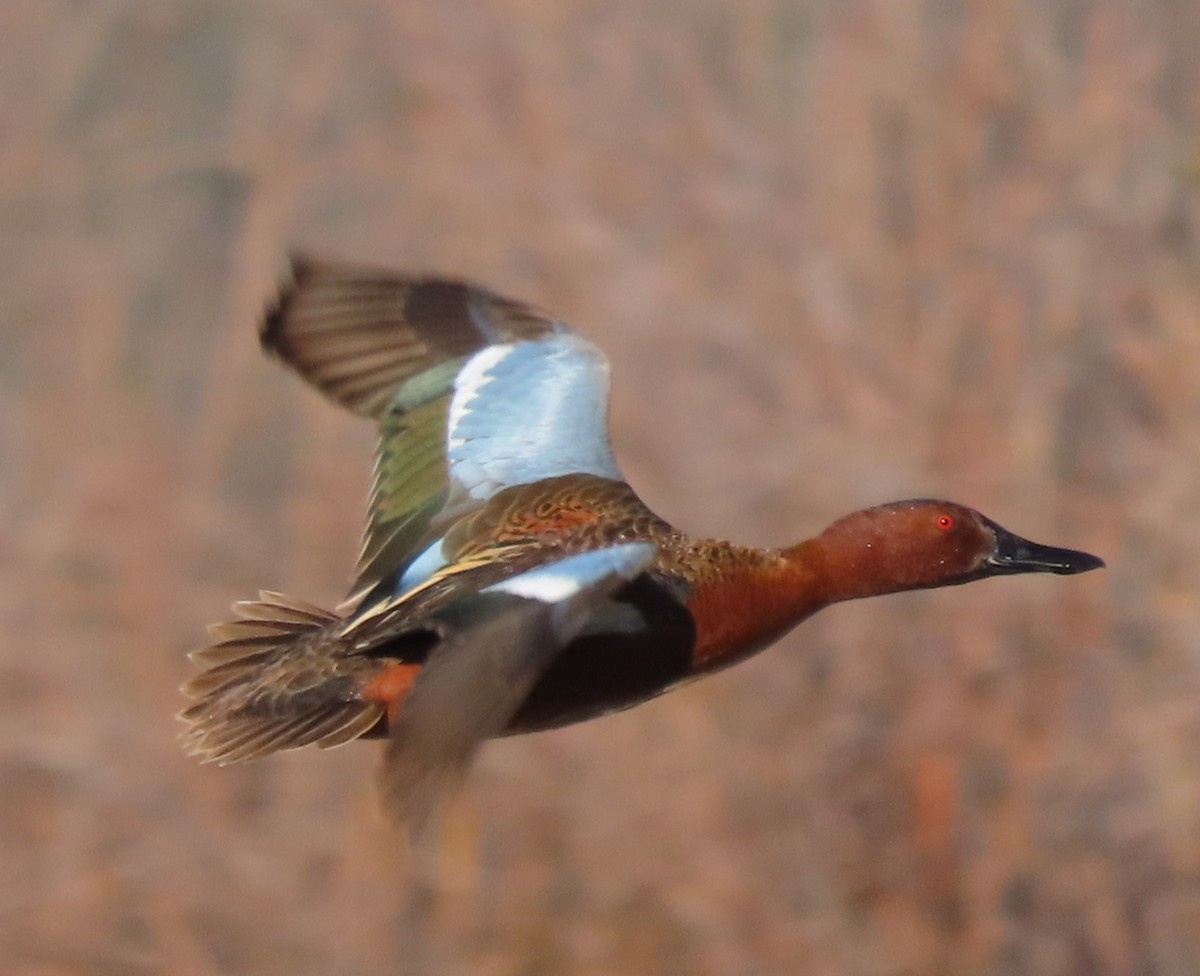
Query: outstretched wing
x,y
494,646
473,392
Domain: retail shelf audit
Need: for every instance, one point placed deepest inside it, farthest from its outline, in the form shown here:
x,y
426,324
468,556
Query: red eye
x,y
945,522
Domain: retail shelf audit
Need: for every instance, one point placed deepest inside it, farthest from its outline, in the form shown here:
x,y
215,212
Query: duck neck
x,y
851,559
744,599
829,574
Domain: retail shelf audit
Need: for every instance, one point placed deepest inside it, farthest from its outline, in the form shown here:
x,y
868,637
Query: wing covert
x,y
528,411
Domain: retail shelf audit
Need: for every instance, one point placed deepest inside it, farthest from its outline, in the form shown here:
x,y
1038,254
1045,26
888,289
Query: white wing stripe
x,y
471,379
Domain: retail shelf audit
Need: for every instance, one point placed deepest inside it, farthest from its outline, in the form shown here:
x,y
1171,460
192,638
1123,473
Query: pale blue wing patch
x,y
424,566
595,571
526,411
563,581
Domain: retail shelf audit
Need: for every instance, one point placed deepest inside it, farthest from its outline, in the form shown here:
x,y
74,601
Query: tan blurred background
x,y
839,252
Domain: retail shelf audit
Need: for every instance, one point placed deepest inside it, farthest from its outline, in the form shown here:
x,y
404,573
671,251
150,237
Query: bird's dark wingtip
x,y
272,330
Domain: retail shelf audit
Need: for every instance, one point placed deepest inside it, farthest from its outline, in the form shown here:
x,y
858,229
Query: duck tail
x,y
263,689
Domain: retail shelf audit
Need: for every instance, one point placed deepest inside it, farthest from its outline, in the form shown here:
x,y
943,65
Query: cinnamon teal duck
x,y
510,579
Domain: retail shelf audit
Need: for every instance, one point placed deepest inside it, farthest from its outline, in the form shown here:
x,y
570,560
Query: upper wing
x,y
359,335
473,392
526,411
494,646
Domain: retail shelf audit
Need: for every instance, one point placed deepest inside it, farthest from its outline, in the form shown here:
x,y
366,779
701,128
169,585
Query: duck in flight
x,y
510,579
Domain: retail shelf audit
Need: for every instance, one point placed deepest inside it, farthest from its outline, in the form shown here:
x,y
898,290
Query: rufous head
x,y
925,542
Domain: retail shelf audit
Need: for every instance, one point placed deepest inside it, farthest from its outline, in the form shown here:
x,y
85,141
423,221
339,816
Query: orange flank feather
x,y
391,686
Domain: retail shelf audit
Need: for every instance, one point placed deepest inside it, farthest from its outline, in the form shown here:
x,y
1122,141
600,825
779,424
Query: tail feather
x,y
232,650
240,740
249,702
271,613
208,684
244,632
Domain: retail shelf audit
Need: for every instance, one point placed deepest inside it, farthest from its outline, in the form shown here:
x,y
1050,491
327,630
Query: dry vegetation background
x,y
840,252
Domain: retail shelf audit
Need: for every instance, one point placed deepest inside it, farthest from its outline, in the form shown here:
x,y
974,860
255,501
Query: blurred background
x,y
840,252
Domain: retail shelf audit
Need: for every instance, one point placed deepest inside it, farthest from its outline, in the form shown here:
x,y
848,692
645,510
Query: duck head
x,y
923,543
